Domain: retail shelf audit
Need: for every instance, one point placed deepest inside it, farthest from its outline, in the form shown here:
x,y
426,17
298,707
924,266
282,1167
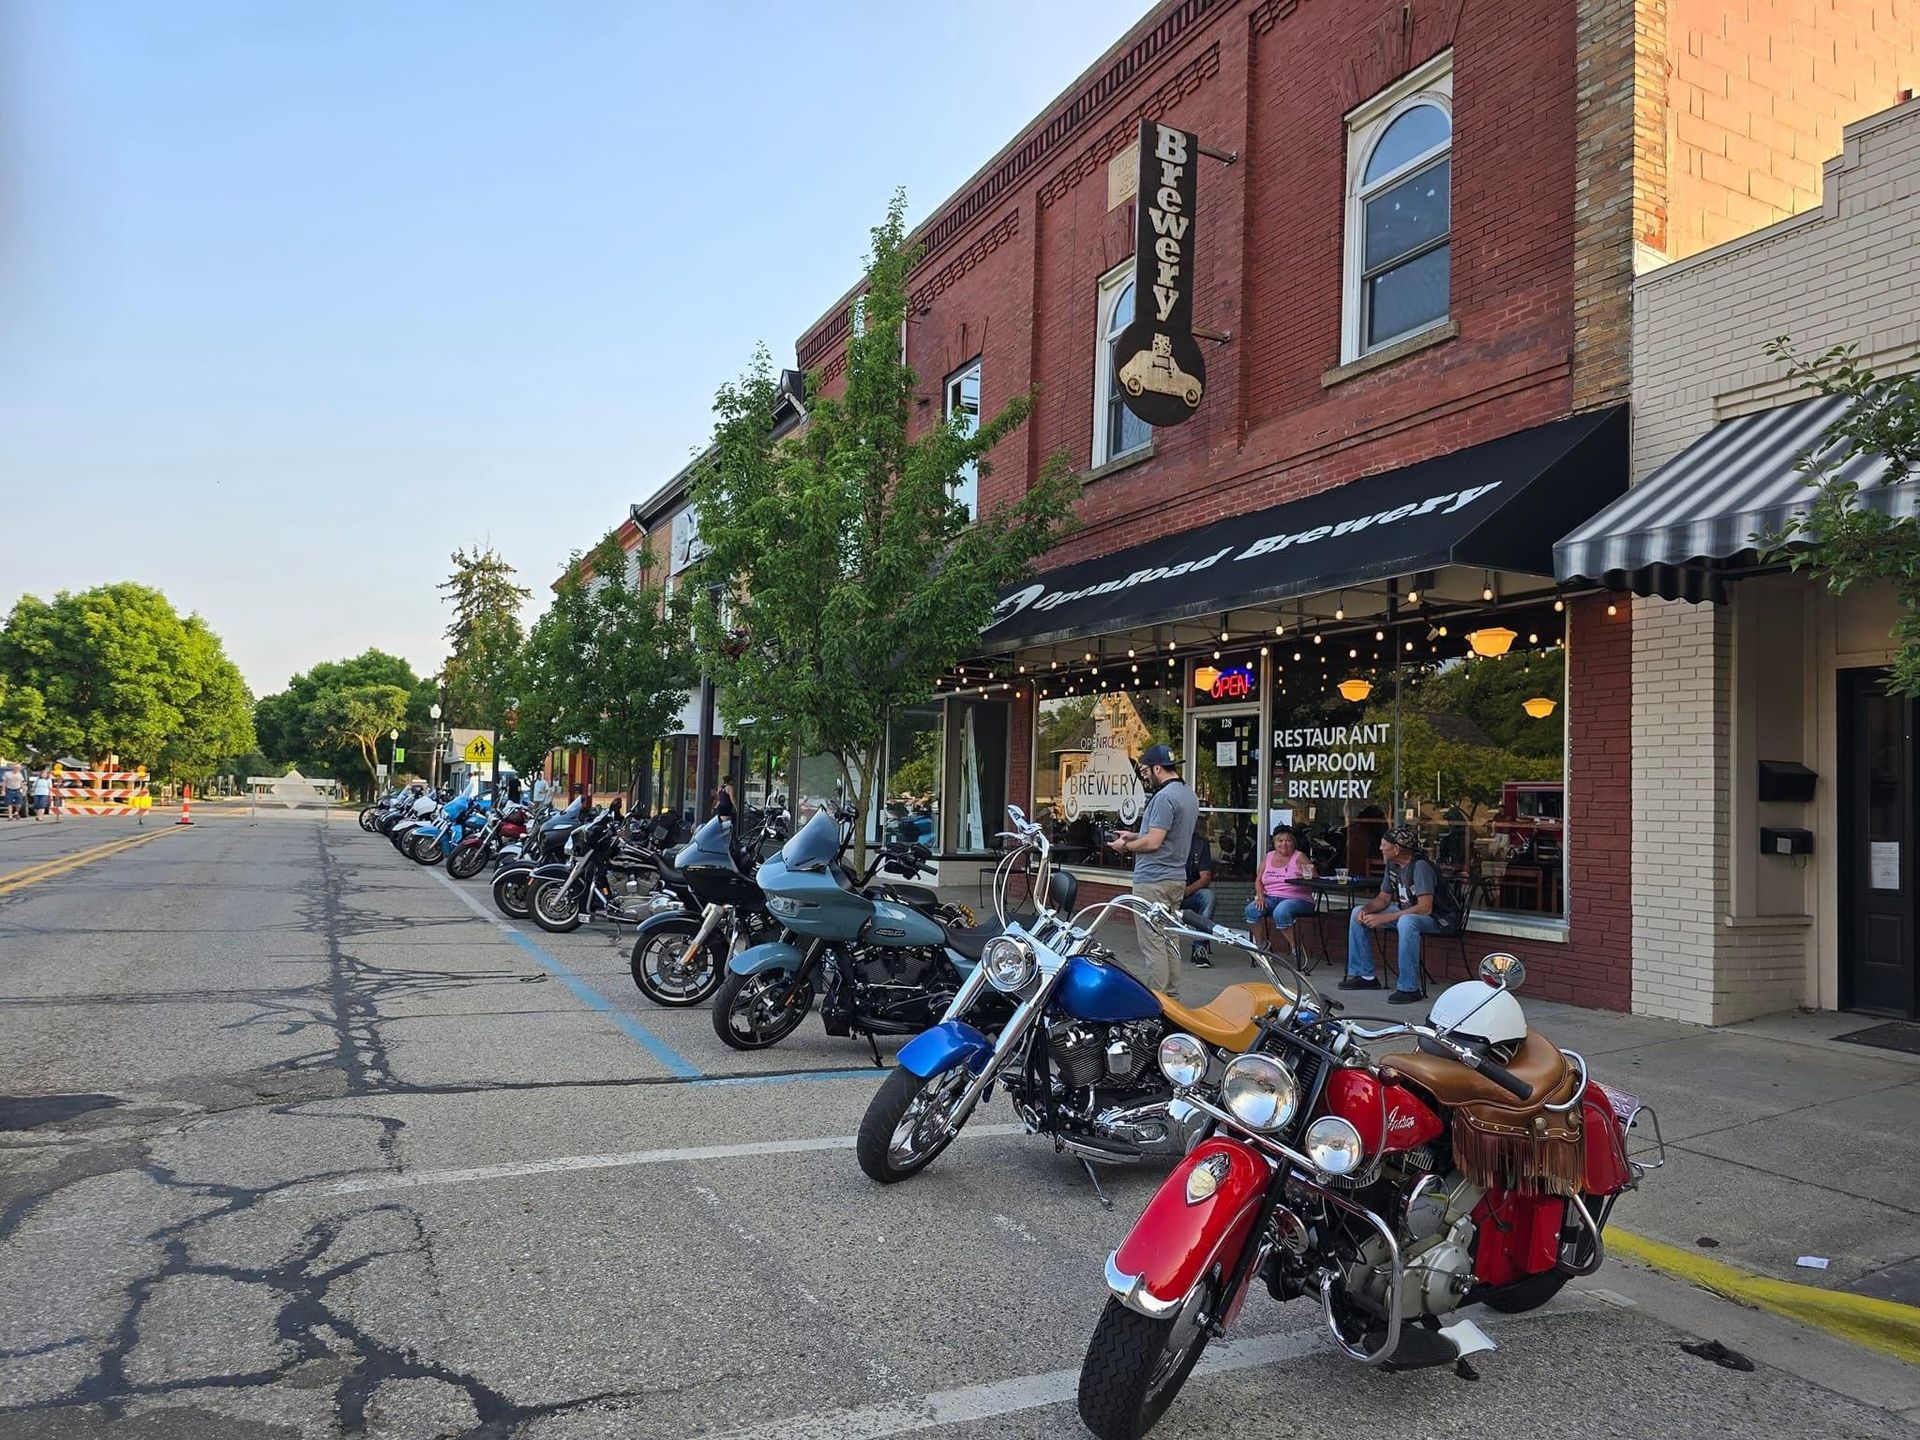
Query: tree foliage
x,y
320,722
606,661
485,633
1841,538
115,670
841,574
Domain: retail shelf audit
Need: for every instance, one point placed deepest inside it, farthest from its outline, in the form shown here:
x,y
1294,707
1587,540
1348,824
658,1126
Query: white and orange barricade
x,y
101,792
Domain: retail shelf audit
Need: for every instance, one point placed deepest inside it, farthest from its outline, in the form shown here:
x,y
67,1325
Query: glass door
x,y
1223,767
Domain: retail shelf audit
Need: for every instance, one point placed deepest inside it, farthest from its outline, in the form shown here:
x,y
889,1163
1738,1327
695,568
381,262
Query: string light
x,y
1296,654
1263,650
1379,634
1558,605
1129,652
1340,607
1409,645
1316,639
1443,632
1216,654
1613,609
1169,644
1486,590
1279,629
1353,654
1023,669
1413,597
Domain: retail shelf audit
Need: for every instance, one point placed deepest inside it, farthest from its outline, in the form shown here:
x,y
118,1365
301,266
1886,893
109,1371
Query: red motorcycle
x,y
471,855
1477,1169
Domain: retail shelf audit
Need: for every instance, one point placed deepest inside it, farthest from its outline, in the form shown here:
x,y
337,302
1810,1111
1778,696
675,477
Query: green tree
x,y
842,576
606,660
115,670
298,725
359,719
1841,538
486,636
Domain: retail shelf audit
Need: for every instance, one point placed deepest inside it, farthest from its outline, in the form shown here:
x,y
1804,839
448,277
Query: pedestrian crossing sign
x,y
479,751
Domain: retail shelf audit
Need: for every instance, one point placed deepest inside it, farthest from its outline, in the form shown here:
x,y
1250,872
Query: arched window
x,y
1117,430
1400,212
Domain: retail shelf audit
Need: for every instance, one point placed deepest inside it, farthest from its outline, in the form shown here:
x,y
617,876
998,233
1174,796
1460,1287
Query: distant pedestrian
x,y
13,796
723,803
1160,851
540,789
42,793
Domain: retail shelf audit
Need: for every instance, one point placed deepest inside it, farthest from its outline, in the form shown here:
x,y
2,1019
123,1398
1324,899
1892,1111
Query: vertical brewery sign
x,y
1156,359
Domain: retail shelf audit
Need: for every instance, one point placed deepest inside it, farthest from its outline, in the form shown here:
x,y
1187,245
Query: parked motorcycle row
x,y
1392,1190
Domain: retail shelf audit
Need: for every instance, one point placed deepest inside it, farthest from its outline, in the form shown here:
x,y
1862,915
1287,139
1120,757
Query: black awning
x,y
1497,506
1703,512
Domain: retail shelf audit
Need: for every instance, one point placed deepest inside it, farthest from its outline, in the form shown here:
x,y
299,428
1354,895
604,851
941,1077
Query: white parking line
x,y
1002,1397
560,1164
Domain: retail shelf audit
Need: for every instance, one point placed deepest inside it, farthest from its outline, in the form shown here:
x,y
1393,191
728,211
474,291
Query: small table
x,y
1333,896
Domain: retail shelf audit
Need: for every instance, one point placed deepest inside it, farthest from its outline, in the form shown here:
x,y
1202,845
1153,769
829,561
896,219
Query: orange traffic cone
x,y
186,795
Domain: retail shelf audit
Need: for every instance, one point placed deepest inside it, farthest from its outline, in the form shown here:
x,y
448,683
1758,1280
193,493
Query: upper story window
x,y
1117,430
963,404
1399,210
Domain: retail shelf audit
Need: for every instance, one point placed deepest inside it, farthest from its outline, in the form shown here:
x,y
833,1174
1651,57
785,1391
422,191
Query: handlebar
x,y
1491,1069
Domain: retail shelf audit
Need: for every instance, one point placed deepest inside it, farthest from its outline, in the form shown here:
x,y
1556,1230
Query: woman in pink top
x,y
1284,896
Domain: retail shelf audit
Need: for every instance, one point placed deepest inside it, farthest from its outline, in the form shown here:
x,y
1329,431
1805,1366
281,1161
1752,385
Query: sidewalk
x,y
1781,1141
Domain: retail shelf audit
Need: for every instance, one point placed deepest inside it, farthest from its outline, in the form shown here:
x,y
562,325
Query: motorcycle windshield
x,y
815,846
711,845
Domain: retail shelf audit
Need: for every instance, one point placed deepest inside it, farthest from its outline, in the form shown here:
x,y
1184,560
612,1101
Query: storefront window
x,y
1085,775
908,807
1476,747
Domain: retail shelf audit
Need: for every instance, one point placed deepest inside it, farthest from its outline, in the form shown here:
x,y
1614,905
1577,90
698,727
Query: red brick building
x,y
1417,267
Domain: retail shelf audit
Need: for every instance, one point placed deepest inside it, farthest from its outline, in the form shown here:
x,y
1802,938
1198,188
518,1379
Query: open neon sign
x,y
1236,682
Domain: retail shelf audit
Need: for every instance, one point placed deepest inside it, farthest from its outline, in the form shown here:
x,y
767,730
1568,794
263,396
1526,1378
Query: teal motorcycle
x,y
880,956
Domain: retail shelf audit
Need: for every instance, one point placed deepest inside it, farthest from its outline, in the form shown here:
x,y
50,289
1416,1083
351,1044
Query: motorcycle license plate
x,y
1625,1106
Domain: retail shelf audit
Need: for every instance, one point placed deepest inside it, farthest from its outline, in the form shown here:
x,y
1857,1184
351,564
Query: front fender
x,y
1175,1242
950,1043
666,920
773,955
550,872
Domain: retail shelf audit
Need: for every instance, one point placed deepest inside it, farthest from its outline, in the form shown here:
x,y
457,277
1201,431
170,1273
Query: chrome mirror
x,y
1503,971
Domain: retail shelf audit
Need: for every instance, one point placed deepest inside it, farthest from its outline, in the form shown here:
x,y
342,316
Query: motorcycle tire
x,y
882,1153
1135,1367
425,850
554,909
467,862
742,993
366,819
660,970
510,896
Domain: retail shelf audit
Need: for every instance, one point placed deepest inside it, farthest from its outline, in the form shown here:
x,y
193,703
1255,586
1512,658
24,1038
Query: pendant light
x,y
1355,689
1539,707
1491,641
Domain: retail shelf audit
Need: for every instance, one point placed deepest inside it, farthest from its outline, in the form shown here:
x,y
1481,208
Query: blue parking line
x,y
594,1000
865,1074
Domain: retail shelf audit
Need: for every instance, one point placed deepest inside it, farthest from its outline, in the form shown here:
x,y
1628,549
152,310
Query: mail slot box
x,y
1786,782
1777,841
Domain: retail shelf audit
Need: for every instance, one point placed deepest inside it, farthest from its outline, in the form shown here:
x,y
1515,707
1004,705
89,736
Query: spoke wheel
x,y
906,1124
510,894
467,862
1135,1366
753,1012
666,975
555,908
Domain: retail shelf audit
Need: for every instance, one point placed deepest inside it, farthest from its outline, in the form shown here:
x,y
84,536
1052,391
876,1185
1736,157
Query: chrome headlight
x,y
1334,1146
782,905
1260,1092
1010,963
1183,1060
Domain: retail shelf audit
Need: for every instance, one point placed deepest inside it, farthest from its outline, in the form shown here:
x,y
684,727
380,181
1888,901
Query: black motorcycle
x,y
603,880
708,905
544,844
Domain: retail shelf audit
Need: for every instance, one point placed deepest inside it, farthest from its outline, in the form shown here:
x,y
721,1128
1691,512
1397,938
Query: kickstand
x,y
878,1063
1098,1193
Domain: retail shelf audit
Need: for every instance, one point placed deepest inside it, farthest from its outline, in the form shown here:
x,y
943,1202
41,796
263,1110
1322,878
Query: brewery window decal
x,y
1156,359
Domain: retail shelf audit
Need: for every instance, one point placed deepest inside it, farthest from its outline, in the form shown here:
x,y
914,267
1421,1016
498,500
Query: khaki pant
x,y
1161,956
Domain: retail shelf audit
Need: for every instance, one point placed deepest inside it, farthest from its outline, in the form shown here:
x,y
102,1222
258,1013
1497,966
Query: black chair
x,y
1453,927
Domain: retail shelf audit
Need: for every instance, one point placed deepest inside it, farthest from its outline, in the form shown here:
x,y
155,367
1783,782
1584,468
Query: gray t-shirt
x,y
1175,807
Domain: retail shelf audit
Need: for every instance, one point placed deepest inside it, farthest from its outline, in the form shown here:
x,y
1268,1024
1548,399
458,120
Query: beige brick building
x,y
1721,930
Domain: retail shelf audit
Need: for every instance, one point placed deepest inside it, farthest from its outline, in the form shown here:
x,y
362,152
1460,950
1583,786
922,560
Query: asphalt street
x,y
299,1139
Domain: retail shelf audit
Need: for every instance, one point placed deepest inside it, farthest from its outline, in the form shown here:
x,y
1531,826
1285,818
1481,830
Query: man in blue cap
x,y
1160,849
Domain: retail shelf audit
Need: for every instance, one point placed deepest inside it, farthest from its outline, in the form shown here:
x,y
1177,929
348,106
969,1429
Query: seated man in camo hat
x,y
1412,901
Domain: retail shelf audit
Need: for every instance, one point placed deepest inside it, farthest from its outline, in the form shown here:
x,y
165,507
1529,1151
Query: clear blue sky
x,y
296,297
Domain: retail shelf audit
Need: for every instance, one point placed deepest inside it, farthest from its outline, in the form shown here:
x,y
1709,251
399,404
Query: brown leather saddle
x,y
1230,1020
1500,1141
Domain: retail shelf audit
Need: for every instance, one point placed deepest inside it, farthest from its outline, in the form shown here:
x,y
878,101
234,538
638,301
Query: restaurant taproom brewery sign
x,y
1156,360
1328,762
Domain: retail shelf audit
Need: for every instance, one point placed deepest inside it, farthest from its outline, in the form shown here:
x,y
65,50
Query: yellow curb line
x,y
51,869
1883,1325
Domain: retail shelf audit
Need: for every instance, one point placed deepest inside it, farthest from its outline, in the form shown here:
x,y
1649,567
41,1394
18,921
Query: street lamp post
x,y
434,712
393,756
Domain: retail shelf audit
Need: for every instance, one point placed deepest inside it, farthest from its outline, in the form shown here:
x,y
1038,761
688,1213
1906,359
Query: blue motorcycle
x,y
884,958
1083,1055
433,841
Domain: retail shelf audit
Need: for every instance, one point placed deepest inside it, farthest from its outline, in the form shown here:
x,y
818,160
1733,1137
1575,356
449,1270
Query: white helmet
x,y
1474,1010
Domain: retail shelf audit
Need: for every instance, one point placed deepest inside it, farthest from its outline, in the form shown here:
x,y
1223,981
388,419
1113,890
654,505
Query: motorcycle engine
x,y
1436,1246
1094,1055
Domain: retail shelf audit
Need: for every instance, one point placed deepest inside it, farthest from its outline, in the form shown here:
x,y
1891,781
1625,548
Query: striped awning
x,y
1677,532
